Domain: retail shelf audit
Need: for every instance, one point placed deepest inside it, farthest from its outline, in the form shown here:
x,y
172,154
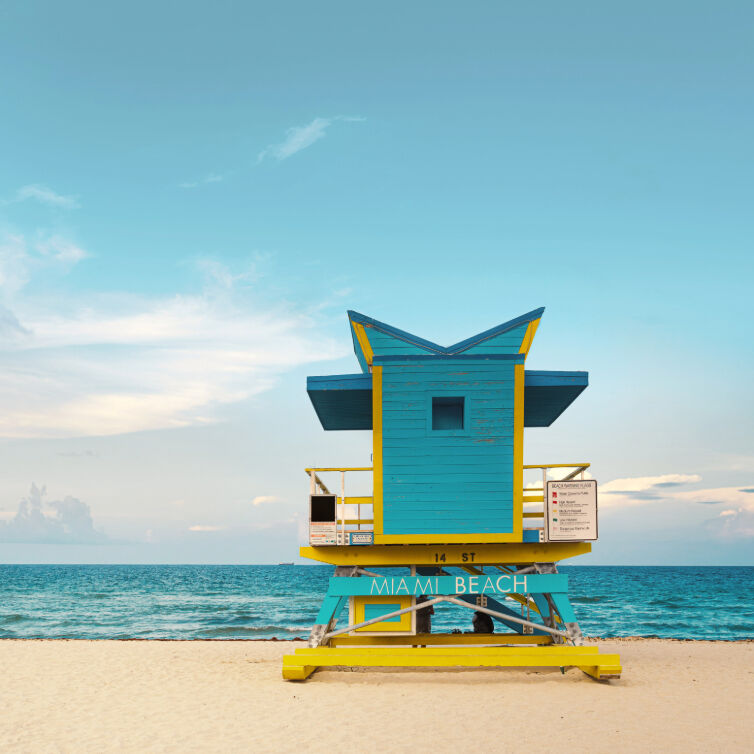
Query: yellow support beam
x,y
432,639
445,555
586,658
355,500
340,468
560,466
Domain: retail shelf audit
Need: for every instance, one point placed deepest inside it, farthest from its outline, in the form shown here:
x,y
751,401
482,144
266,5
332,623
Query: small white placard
x,y
571,510
322,534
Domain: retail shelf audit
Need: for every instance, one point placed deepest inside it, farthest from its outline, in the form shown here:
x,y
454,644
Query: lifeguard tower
x,y
451,516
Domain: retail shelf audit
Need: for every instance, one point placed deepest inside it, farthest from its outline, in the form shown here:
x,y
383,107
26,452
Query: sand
x,y
168,696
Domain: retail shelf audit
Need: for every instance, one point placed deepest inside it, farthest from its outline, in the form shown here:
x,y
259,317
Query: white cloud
x,y
262,499
61,250
301,137
46,195
67,521
21,257
117,364
735,521
641,484
202,527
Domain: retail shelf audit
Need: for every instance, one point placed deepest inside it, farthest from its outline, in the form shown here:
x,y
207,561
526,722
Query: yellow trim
x,y
587,658
455,554
366,347
528,337
358,500
556,466
405,621
377,449
438,639
518,451
340,468
438,539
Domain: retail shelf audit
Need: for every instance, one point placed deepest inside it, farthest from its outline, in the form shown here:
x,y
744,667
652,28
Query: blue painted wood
x,y
496,583
331,606
465,476
507,343
455,348
375,611
345,401
563,606
359,353
384,344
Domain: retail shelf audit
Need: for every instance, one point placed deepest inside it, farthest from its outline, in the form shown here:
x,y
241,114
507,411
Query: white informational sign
x,y
361,538
322,534
571,511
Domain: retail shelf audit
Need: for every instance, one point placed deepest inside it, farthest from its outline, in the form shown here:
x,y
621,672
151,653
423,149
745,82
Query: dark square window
x,y
447,413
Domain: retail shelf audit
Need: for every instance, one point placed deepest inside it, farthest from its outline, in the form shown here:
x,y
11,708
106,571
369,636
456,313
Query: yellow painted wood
x,y
430,639
366,347
532,514
602,672
560,466
518,451
421,554
357,500
585,658
340,468
405,621
433,539
531,331
586,654
377,449
533,498
297,672
359,521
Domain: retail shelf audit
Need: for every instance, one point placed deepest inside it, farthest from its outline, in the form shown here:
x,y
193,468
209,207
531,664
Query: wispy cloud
x,y
204,527
22,256
734,521
60,249
651,485
45,195
67,521
298,138
119,363
207,179
262,499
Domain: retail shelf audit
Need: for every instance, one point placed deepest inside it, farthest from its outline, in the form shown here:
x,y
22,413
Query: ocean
x,y
265,602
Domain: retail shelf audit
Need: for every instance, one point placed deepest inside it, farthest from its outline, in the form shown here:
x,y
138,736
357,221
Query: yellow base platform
x,y
299,666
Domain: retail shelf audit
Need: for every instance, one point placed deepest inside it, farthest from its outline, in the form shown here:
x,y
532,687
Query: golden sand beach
x,y
214,696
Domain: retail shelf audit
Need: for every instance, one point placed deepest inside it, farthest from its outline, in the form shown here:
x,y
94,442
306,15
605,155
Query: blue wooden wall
x,y
447,481
507,342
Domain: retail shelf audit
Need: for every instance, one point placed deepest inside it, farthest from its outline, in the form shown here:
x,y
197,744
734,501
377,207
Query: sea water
x,y
265,602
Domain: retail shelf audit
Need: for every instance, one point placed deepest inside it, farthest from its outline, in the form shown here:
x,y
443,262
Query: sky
x,y
192,195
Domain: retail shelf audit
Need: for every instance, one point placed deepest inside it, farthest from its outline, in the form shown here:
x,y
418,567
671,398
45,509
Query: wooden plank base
x,y
302,664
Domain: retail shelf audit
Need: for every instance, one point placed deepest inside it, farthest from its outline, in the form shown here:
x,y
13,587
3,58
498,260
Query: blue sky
x,y
191,196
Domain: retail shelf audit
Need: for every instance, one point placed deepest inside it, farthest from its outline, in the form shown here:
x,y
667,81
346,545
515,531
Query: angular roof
x,y
374,338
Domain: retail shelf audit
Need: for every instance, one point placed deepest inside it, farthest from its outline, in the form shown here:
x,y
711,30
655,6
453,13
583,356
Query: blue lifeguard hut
x,y
450,503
